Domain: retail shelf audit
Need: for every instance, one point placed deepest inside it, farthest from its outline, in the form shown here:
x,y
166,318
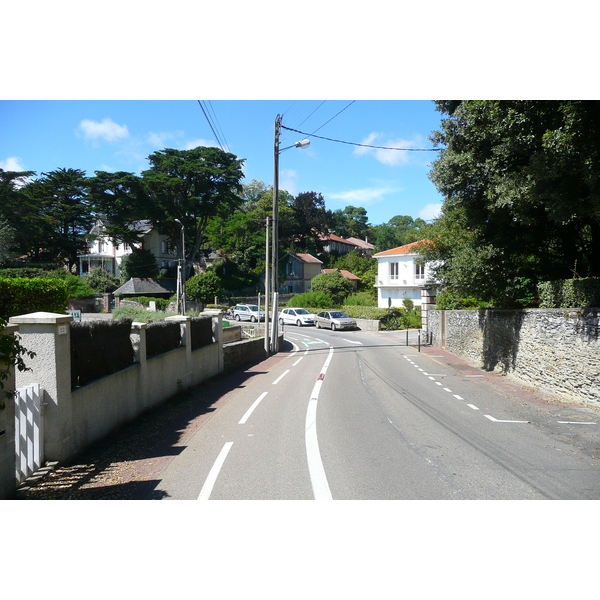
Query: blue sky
x,y
91,135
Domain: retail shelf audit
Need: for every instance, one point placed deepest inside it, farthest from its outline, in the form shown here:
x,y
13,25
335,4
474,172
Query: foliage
x,y
361,299
76,286
398,231
315,300
570,293
161,303
204,287
522,196
334,284
162,336
23,295
139,315
140,263
352,221
101,281
12,355
365,268
451,300
192,186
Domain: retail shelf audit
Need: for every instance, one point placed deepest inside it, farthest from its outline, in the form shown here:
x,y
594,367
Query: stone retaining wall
x,y
557,350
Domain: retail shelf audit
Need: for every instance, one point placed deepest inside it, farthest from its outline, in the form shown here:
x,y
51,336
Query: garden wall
x,y
556,350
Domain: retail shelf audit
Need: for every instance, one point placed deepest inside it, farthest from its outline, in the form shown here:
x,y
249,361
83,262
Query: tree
x,y
311,220
334,284
101,281
62,201
351,222
140,263
7,242
522,196
192,186
204,287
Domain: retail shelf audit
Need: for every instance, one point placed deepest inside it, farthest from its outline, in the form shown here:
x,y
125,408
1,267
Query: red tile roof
x,y
308,258
406,249
345,273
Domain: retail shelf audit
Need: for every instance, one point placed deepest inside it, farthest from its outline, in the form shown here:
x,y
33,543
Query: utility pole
x,y
275,241
267,340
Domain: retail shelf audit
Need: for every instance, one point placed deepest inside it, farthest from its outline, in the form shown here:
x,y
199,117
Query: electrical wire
x,y
334,116
211,126
363,145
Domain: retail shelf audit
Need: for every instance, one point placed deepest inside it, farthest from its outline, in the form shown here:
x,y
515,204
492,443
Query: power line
x,y
211,126
332,118
363,145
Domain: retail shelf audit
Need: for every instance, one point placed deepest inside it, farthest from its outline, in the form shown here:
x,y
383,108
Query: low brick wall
x,y
557,350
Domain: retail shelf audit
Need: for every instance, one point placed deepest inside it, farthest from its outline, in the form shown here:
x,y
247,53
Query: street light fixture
x,y
275,258
181,273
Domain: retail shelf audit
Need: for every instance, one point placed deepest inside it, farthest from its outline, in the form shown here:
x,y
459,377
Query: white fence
x,y
29,431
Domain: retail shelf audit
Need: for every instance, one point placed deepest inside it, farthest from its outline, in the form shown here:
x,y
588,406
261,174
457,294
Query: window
x,y
394,270
419,271
167,247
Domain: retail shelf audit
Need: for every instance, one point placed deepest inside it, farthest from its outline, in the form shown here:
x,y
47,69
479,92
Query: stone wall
x,y
557,350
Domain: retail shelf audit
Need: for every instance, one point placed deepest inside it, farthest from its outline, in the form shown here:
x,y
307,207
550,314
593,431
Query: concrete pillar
x,y
49,336
138,341
217,317
186,341
7,427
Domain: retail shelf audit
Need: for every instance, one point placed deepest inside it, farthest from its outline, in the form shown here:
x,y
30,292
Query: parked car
x,y
296,316
248,312
334,319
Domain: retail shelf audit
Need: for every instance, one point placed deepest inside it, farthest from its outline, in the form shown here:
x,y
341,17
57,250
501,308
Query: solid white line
x,y
207,488
501,421
281,377
578,422
251,409
316,470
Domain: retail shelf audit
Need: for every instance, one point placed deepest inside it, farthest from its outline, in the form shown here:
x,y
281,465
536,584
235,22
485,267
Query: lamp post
x,y
275,242
181,273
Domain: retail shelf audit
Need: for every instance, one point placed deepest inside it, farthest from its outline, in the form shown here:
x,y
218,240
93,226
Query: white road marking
x,y
281,377
432,378
472,406
437,383
207,488
447,390
502,421
578,422
458,397
352,341
297,361
318,478
474,375
251,409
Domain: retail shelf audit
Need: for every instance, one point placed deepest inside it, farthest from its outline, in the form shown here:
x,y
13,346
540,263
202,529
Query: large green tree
x,y
192,186
522,195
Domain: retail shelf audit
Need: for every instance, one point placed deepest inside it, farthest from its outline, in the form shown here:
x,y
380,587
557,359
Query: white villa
x,y
102,252
399,277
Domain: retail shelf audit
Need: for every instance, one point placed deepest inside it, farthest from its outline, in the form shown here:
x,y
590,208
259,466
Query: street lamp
x,y
275,270
181,273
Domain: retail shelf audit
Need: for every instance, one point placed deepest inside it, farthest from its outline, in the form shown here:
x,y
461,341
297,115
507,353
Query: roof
x,y
406,249
336,238
307,258
147,286
361,243
345,273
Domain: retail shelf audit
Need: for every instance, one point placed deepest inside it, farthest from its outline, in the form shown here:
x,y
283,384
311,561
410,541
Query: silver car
x,y
296,316
334,319
248,312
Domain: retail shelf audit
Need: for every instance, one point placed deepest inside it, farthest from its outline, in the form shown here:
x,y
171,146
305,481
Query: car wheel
x,y
252,319
237,317
333,327
317,324
299,323
281,321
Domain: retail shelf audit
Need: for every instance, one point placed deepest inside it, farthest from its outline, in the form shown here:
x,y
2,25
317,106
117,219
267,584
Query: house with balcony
x,y
103,252
399,276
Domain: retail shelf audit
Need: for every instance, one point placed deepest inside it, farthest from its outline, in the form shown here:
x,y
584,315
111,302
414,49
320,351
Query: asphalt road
x,y
361,416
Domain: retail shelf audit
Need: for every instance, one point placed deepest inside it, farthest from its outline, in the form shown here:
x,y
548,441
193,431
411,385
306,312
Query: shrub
x,y
334,284
312,300
101,281
201,329
361,299
204,287
450,300
140,315
162,336
23,295
570,293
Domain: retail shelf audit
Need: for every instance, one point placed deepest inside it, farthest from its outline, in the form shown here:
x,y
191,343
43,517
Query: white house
x,y
399,277
102,252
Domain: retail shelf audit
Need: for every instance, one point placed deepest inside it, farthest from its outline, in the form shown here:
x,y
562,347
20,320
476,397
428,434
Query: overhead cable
x,y
363,145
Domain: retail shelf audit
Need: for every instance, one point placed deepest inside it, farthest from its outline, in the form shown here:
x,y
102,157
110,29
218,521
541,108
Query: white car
x,y
296,316
248,312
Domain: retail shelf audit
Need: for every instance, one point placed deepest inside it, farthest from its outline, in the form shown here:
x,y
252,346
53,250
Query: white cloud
x,y
288,181
107,130
430,212
12,163
364,196
384,156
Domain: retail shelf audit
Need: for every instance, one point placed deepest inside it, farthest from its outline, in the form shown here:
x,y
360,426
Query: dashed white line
x,y
458,397
472,406
281,377
447,390
297,361
207,488
502,421
578,422
251,409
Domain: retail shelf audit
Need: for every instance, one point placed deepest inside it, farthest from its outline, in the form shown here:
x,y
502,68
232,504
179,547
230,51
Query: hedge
x,y
21,295
99,348
162,336
201,330
570,293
